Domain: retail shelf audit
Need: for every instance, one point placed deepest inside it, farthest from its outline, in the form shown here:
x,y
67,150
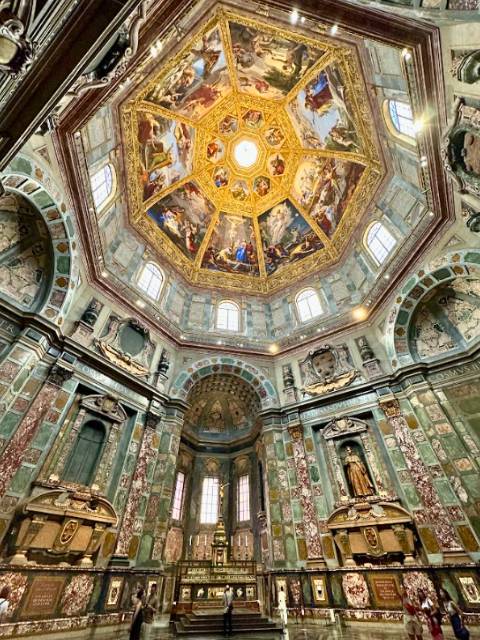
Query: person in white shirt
x,y
282,607
4,603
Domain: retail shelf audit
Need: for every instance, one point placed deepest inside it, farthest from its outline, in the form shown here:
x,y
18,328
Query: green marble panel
x,y
279,451
43,435
422,416
411,495
314,473
18,383
397,459
453,446
290,548
8,423
321,508
142,506
144,549
275,512
292,477
272,478
165,443
427,453
472,484
445,491
297,511
21,479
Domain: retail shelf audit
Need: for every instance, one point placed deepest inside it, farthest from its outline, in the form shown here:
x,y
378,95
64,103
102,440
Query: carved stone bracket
x,y
17,48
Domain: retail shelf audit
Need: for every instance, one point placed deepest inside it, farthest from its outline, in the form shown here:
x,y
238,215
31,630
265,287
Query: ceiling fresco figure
x,y
268,64
197,82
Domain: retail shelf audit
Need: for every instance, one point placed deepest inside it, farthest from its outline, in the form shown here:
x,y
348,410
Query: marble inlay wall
x,y
443,535
15,451
305,494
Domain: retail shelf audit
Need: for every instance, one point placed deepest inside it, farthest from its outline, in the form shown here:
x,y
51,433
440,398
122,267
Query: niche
x,y
355,469
85,456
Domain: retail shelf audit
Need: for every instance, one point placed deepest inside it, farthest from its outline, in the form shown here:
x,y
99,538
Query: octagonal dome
x,y
249,155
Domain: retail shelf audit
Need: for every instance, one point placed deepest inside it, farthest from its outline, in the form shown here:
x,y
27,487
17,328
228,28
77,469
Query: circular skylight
x,y
245,153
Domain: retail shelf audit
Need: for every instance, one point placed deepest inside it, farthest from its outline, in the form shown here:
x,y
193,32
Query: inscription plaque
x,y
385,589
43,596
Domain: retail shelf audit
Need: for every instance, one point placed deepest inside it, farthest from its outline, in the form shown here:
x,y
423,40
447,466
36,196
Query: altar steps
x,y
211,623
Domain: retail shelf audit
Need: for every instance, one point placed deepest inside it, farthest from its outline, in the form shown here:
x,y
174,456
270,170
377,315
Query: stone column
x,y
14,452
312,535
433,521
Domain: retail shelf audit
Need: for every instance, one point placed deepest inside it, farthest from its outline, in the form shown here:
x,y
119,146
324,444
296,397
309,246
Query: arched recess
x,y
224,364
24,177
418,288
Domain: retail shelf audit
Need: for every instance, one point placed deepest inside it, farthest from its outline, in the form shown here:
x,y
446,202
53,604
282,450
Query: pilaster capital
x,y
58,375
390,407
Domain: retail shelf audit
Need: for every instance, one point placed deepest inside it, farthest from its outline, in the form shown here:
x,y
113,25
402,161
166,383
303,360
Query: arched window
x,y
243,499
228,316
399,119
308,305
150,280
178,497
85,455
380,242
103,183
209,505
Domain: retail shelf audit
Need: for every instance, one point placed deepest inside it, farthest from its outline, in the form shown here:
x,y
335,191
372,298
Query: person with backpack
x,y
137,617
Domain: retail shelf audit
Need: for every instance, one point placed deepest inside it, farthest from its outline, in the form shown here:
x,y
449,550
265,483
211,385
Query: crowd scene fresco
x,y
322,115
232,247
267,64
197,82
165,149
286,235
184,216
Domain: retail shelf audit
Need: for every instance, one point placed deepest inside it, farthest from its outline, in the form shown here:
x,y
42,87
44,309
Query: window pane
x,y
150,280
209,507
243,499
402,117
228,316
308,305
102,184
178,497
380,242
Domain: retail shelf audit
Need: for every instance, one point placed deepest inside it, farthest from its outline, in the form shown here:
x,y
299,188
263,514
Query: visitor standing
x,y
455,615
137,617
282,607
227,610
4,602
432,614
411,621
149,611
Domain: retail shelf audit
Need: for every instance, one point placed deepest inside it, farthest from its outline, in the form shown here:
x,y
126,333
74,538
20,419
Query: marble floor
x,y
303,632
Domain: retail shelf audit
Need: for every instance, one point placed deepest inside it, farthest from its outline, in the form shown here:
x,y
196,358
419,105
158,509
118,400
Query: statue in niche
x,y
357,475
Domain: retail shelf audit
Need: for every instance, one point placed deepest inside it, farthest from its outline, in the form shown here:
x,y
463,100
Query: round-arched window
x,y
308,305
103,183
228,316
379,242
150,280
399,118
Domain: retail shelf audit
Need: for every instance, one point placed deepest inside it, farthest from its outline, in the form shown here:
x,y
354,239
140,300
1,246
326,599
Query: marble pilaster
x,y
434,513
312,536
16,448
